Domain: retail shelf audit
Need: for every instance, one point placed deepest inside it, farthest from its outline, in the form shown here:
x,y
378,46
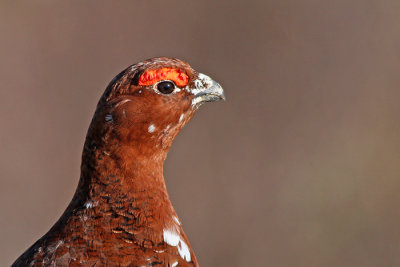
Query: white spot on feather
x,y
151,128
171,237
89,204
109,118
174,264
184,251
181,117
176,220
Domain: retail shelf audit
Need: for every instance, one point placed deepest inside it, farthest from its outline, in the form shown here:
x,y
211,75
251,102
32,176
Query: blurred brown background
x,y
299,167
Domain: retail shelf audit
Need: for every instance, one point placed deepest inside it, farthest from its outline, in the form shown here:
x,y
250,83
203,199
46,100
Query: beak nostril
x,y
206,90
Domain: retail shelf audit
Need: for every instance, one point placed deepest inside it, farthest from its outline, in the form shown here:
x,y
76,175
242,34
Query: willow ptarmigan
x,y
121,214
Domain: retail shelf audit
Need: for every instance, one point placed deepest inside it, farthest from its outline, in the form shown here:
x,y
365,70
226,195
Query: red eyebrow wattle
x,y
150,77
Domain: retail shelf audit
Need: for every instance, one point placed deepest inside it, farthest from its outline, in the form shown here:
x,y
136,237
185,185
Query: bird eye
x,y
166,87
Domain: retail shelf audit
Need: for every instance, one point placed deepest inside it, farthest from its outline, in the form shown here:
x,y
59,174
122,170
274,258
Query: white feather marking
x,y
176,220
181,117
184,251
171,237
174,264
151,128
109,118
89,204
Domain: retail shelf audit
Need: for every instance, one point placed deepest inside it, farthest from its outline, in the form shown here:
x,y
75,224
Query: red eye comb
x,y
150,77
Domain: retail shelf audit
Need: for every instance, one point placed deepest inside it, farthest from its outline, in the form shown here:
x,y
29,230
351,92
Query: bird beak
x,y
206,90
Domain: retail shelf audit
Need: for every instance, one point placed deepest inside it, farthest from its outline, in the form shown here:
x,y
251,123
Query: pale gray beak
x,y
206,90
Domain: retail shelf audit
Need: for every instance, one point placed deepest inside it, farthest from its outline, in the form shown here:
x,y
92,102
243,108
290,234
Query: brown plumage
x,y
121,214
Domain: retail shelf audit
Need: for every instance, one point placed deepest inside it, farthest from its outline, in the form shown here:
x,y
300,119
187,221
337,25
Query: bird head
x,y
149,102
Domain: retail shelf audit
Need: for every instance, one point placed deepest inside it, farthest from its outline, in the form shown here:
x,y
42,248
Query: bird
x,y
121,213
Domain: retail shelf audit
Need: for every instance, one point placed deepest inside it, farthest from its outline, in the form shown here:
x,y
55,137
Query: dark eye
x,y
166,87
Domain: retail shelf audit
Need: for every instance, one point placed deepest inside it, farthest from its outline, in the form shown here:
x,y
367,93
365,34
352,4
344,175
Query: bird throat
x,y
127,189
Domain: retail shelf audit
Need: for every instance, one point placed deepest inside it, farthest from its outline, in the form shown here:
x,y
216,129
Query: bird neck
x,y
119,178
113,171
